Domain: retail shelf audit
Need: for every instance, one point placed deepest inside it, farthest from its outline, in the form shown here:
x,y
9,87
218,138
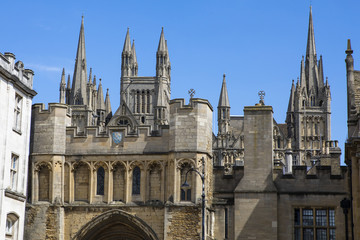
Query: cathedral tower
x,y
308,115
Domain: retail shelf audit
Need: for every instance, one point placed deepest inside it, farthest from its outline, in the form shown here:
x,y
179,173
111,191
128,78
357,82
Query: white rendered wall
x,y
13,142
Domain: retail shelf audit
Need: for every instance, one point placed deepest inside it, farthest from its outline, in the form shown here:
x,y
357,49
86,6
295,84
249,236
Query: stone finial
x,y
349,51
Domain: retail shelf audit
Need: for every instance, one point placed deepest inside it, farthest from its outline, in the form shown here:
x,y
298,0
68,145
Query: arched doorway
x,y
116,225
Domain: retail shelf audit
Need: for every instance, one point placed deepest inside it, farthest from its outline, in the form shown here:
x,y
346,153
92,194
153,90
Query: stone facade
x,y
352,144
98,175
16,93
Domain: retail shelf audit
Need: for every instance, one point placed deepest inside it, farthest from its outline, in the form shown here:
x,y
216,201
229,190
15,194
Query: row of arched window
x,y
81,184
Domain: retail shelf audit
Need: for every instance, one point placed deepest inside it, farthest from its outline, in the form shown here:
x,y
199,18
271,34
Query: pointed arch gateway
x,y
116,225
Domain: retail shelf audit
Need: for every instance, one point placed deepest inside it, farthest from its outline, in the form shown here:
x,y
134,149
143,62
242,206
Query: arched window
x,y
136,181
100,181
185,192
11,227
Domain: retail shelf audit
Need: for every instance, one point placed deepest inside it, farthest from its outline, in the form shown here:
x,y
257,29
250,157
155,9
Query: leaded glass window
x,y
136,181
314,223
100,181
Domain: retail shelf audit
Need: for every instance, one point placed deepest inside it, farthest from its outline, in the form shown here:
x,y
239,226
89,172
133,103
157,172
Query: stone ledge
x,y
14,195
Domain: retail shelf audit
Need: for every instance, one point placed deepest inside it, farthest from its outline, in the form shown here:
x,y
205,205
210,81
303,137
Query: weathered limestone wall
x,y
183,223
190,125
49,128
255,196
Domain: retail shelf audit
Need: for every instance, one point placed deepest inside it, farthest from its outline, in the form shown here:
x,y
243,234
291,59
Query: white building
x,y
16,95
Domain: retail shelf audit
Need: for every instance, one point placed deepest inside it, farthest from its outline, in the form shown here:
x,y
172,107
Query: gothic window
x,y
11,227
44,184
143,119
185,192
310,222
148,101
143,105
138,101
224,114
17,113
136,181
13,171
100,181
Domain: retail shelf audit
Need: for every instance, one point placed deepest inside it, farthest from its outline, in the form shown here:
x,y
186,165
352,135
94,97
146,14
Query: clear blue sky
x,y
258,44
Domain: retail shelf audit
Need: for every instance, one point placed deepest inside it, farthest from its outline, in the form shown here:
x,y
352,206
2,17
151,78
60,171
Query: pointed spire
x,y
63,78
62,87
162,44
133,52
321,72
90,77
291,99
349,51
78,91
224,99
68,83
310,48
107,103
127,43
94,83
100,97
302,73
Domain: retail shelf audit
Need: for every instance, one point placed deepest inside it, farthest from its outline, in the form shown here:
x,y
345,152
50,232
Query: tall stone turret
x,y
223,110
163,65
101,109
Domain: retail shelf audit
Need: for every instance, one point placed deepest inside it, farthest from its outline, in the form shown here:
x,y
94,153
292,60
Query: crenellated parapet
x,y
49,128
190,125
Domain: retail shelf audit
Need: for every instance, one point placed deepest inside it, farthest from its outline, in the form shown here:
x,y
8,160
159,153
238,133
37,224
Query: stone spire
x,y
78,91
100,97
108,112
311,59
302,74
162,58
223,109
62,87
321,72
352,110
68,90
291,99
126,56
224,99
134,64
107,103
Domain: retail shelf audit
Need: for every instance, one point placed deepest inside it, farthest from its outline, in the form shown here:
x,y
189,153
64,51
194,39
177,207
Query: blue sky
x,y
257,44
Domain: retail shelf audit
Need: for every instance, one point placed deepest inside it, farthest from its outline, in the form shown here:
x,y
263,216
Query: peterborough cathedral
x,y
145,170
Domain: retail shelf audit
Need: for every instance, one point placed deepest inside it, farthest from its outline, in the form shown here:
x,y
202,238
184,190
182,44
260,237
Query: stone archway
x,y
116,225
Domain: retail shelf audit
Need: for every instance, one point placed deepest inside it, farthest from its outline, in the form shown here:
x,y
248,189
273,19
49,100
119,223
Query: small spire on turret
x,y
224,98
162,44
94,83
349,51
90,80
100,97
127,43
107,103
62,87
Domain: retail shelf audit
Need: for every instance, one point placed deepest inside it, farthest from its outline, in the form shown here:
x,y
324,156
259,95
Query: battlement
x,y
16,72
318,179
191,125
